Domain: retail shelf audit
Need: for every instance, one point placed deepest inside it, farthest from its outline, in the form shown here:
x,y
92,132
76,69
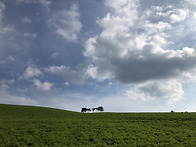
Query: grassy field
x,y
38,126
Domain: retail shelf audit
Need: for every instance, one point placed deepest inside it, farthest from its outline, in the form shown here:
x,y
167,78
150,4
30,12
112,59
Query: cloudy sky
x,y
125,55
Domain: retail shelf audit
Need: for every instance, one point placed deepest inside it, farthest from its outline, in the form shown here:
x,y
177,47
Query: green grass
x,y
38,126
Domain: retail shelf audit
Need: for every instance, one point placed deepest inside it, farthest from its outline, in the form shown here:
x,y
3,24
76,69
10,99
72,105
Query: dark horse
x,y
85,109
98,109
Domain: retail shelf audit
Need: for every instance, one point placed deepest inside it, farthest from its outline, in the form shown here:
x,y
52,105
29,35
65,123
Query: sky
x,y
124,55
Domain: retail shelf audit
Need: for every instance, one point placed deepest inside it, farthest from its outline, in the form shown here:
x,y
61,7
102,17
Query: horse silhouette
x,y
85,109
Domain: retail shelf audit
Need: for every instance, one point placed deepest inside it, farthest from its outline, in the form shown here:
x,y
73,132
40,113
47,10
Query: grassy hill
x,y
39,126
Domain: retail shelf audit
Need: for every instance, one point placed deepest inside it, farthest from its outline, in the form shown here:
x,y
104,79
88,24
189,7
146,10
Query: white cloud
x,y
67,23
192,2
7,33
42,87
178,15
32,71
71,76
55,55
110,83
26,20
170,90
30,35
171,14
5,85
66,84
125,14
11,58
45,4
2,8
92,72
3,29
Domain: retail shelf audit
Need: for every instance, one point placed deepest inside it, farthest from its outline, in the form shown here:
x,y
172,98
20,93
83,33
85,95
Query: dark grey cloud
x,y
149,67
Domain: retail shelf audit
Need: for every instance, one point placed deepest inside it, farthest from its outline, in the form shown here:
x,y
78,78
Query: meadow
x,y
39,126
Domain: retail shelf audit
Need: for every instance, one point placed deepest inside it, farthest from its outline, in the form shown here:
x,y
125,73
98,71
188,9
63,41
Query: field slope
x,y
38,126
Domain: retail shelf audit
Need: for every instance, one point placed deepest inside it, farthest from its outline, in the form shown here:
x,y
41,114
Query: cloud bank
x,y
134,47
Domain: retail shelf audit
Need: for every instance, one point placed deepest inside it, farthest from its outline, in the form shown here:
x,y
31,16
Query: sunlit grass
x,y
37,126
